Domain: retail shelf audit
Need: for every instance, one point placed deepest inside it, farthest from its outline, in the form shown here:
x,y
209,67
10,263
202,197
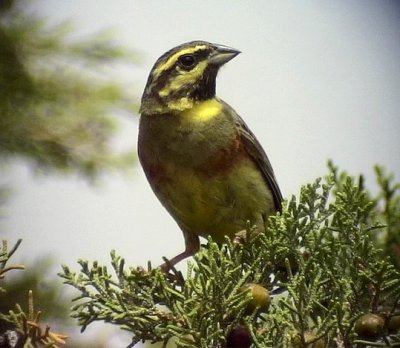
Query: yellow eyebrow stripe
x,y
172,60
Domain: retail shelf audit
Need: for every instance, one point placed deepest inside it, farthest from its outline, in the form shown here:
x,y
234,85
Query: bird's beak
x,y
222,54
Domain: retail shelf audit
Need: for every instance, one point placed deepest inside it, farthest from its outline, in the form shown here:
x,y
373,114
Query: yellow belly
x,y
219,205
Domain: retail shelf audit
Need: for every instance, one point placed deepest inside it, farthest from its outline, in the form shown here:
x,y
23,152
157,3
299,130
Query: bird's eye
x,y
187,61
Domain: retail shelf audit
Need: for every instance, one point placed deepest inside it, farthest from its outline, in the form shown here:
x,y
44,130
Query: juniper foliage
x,y
19,327
329,250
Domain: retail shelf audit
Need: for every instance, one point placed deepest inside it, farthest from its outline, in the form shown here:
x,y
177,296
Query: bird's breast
x,y
201,136
163,166
216,200
201,172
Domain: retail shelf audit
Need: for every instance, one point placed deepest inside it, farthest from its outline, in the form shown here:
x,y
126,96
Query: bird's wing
x,y
257,153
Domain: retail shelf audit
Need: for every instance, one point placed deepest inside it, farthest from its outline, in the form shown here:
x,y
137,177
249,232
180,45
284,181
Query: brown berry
x,y
394,324
239,337
369,326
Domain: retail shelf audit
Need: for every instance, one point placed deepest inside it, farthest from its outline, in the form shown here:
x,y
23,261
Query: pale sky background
x,y
316,80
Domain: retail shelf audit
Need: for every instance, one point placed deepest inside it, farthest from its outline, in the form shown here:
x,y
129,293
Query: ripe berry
x,y
260,297
369,326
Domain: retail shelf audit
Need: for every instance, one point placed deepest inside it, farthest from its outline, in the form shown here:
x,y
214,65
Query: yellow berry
x,y
260,297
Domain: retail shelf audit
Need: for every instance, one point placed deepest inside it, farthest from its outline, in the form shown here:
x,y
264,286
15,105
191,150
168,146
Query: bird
x,y
200,158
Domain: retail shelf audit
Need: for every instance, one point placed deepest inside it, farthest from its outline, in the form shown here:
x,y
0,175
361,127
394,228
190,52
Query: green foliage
x,y
39,279
321,249
389,199
5,255
28,332
18,325
58,96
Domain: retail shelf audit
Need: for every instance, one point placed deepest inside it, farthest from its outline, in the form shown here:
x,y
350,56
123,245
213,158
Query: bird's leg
x,y
192,246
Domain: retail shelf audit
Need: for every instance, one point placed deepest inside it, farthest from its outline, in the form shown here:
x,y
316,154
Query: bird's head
x,y
183,76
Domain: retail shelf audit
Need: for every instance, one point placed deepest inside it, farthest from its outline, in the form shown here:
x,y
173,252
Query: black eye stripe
x,y
200,55
167,75
189,60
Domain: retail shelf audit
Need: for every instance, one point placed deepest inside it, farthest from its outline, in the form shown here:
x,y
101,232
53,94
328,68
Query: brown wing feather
x,y
257,153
